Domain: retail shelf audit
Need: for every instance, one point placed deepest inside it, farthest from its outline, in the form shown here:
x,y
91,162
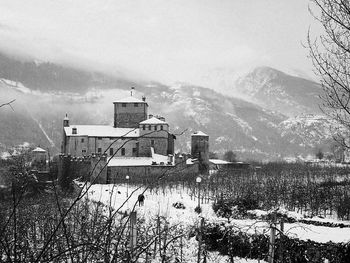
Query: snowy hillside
x,y
252,131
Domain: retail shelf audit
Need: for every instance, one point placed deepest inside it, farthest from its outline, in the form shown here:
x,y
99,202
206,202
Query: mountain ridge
x,y
253,131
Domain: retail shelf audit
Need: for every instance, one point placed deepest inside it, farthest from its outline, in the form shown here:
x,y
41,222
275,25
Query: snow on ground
x,y
161,202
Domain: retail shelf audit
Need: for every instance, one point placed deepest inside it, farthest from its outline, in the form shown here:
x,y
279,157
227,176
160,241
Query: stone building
x,y
134,133
138,144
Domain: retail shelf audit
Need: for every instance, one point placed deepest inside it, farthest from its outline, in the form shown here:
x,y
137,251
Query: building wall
x,y
200,150
139,174
159,138
129,116
200,147
91,145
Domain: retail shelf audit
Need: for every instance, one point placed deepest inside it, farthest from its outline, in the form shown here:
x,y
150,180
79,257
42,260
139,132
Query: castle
x,y
137,144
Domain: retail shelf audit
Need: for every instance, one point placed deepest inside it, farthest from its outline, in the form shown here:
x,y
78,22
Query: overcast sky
x,y
163,40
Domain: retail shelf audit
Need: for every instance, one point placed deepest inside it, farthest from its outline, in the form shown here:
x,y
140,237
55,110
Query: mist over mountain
x,y
44,92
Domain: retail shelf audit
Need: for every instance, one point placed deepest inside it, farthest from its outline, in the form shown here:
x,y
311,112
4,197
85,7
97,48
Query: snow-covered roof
x,y
101,131
138,161
199,133
217,161
40,150
153,120
130,161
129,100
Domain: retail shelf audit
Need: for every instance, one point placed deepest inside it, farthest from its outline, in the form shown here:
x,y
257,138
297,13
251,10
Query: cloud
x,y
161,40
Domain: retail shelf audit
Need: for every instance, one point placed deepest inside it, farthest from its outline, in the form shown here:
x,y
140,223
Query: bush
x,y
226,207
179,205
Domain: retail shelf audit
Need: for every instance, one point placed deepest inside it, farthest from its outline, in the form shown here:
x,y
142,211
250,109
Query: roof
x,y
38,149
130,161
199,133
138,161
101,131
153,120
217,161
129,100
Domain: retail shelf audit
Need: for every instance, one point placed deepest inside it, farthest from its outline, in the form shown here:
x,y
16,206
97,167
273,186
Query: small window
x,y
155,127
123,151
74,130
152,143
136,104
161,127
83,151
110,151
99,150
134,152
143,127
82,140
123,105
149,127
99,138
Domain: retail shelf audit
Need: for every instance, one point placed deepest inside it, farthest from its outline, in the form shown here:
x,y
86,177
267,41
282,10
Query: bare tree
x,y
330,54
7,104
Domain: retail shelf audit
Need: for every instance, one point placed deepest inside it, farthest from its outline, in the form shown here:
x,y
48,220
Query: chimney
x,y
150,116
143,98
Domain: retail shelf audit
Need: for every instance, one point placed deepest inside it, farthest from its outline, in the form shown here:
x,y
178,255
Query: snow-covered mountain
x,y
308,130
289,93
235,124
278,91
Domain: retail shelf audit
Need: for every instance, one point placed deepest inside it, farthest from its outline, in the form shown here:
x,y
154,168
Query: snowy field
x,y
161,203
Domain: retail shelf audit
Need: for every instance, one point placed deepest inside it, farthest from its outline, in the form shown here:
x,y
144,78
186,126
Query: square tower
x,y
129,112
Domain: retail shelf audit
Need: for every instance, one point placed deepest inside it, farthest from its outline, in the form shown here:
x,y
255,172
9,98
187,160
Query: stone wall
x,y
129,116
91,145
82,168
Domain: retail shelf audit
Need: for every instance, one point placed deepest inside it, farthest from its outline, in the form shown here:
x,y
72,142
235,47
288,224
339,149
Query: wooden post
x,y
200,240
133,233
272,239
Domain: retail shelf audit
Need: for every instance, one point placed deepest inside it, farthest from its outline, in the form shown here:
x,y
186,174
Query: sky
x,y
166,41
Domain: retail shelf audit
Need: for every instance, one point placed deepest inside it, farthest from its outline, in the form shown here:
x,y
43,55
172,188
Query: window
x,y
152,143
83,151
74,130
149,127
123,151
161,127
110,151
134,153
143,127
82,140
99,150
123,105
136,104
155,127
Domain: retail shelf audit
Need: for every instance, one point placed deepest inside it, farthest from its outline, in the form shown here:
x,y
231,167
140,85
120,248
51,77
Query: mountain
x,y
291,93
278,91
252,131
308,130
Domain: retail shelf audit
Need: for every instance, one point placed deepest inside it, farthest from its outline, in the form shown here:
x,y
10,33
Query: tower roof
x,y
38,149
130,100
199,133
153,120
